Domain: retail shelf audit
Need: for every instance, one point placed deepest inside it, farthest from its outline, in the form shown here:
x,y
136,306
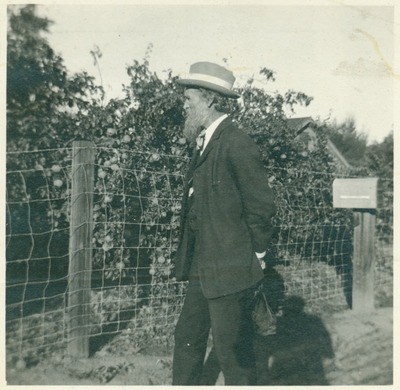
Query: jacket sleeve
x,y
251,179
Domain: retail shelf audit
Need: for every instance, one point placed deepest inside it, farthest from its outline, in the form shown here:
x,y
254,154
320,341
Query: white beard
x,y
194,123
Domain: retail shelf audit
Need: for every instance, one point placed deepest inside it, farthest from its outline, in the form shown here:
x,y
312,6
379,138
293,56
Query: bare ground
x,y
361,354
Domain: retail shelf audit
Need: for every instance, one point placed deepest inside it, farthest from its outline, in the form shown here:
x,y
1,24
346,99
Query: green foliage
x,y
32,65
46,108
372,160
141,157
379,157
140,148
350,143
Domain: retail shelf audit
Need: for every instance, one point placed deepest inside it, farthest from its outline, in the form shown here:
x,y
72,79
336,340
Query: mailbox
x,y
355,193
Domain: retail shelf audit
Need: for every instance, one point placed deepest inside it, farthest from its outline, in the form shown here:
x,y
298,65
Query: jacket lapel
x,y
192,166
217,133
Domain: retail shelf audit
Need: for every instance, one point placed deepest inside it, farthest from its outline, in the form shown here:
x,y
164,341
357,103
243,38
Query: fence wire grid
x,y
136,208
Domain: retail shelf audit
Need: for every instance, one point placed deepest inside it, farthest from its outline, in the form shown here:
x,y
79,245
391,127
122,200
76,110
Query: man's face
x,y
196,110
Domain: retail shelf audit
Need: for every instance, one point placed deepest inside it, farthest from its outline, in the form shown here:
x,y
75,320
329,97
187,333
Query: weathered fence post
x,y
360,195
80,247
363,260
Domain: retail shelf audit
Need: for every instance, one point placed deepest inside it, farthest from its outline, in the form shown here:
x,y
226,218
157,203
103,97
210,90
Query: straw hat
x,y
210,76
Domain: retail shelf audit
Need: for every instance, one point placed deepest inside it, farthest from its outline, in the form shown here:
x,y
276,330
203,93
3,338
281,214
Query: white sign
x,y
355,193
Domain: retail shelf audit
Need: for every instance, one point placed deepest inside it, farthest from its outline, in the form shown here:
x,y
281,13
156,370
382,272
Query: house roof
x,y
331,146
299,125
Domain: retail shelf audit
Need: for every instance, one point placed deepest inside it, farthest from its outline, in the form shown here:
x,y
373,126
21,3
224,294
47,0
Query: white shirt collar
x,y
210,129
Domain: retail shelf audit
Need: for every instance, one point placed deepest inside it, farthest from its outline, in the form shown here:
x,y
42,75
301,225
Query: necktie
x,y
200,140
199,148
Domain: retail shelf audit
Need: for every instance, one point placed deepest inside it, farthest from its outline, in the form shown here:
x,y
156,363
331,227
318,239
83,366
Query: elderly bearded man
x,y
225,230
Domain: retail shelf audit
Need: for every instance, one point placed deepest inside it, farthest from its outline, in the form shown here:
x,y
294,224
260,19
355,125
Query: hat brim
x,y
204,84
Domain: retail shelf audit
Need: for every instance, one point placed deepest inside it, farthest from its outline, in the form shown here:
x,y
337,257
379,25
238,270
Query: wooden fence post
x,y
363,261
80,247
361,195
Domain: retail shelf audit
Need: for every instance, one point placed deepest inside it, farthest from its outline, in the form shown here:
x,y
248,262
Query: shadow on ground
x,y
295,354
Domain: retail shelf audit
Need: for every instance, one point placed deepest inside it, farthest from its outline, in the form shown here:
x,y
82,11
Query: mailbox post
x,y
361,196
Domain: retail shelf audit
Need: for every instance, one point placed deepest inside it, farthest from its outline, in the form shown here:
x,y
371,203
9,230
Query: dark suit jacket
x,y
233,205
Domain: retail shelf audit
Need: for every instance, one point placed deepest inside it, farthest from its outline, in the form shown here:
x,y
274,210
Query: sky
x,y
341,55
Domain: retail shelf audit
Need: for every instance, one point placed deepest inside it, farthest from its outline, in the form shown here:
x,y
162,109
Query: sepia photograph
x,y
200,194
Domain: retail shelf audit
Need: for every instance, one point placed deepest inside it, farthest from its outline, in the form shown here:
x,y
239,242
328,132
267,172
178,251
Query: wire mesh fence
x,y
134,222
37,234
383,277
314,240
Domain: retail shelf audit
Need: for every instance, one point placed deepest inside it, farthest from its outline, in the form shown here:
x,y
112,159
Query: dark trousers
x,y
230,320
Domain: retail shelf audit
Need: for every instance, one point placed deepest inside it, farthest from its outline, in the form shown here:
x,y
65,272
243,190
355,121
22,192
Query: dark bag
x,y
263,317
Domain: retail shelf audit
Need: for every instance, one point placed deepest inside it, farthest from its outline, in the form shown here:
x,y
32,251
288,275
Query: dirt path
x,y
361,347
